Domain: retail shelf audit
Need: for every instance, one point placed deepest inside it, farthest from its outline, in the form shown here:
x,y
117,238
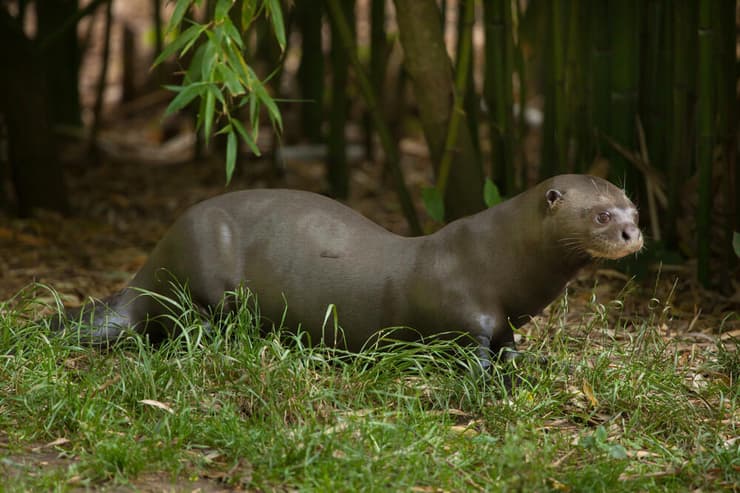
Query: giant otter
x,y
480,275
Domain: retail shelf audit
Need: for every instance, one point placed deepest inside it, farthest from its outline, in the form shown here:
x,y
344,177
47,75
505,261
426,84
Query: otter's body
x,y
479,275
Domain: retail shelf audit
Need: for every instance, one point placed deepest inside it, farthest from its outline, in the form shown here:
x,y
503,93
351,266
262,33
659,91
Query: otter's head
x,y
589,215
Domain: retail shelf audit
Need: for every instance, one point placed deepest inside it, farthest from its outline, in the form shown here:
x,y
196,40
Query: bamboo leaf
x,y
221,11
231,80
253,110
491,195
265,99
218,36
276,15
433,203
190,43
217,94
231,147
224,130
208,112
249,8
247,138
187,36
208,60
236,60
185,96
232,33
195,69
180,8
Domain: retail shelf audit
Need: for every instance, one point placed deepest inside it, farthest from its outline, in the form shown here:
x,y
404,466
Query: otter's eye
x,y
603,217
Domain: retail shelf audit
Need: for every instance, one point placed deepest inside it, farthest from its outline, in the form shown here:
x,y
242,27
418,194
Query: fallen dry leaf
x,y
589,392
160,405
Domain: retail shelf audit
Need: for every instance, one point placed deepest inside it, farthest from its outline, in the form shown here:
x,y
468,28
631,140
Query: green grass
x,y
619,408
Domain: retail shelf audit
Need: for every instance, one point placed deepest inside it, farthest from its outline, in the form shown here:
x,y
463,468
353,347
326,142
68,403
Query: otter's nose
x,y
630,233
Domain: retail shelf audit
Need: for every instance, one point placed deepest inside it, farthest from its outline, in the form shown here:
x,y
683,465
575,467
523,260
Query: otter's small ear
x,y
554,197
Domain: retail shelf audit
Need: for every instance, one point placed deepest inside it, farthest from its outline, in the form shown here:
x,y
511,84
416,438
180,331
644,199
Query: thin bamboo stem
x,y
601,55
507,99
102,78
624,77
680,152
705,136
558,68
458,111
471,98
366,88
337,166
310,75
727,135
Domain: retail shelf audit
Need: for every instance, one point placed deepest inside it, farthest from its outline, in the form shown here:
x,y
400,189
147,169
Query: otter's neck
x,y
511,255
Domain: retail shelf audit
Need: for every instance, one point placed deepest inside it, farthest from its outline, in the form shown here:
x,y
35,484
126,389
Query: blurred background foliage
x,y
503,92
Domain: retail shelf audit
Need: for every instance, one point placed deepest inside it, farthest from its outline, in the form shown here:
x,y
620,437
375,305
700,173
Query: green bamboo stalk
x,y
548,154
458,111
624,81
69,23
680,152
102,80
471,98
653,100
727,134
498,94
576,88
572,88
391,151
158,39
61,60
494,67
378,62
311,68
337,166
157,19
705,136
664,76
667,56
443,15
518,180
22,4
600,71
558,73
378,44
507,98
726,78
429,69
396,114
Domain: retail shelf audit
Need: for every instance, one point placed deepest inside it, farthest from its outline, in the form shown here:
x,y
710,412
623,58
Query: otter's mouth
x,y
616,250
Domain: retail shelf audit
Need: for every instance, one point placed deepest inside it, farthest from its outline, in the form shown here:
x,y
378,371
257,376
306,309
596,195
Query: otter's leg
x,y
484,353
487,329
495,338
